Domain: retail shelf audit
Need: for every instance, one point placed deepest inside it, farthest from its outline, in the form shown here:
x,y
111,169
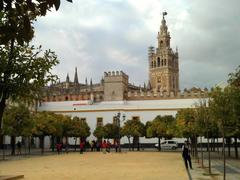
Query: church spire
x,y
67,78
163,35
76,76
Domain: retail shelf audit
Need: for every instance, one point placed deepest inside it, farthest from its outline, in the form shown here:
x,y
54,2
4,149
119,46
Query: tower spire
x,y
67,78
75,76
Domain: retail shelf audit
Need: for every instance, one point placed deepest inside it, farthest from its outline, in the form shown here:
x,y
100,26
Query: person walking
x,y
186,155
104,146
59,146
81,147
19,147
108,148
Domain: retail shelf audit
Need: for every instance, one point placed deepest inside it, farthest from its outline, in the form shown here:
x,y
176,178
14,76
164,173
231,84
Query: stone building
x,y
99,103
114,86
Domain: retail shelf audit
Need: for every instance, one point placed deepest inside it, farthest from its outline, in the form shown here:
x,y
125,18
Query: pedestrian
x,y
104,146
59,147
19,147
108,146
116,145
81,147
98,146
186,155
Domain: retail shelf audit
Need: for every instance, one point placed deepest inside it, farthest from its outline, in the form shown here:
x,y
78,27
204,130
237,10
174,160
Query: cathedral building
x,y
163,79
99,103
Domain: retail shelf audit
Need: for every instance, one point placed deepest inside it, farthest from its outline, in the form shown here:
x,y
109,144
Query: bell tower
x,y
163,63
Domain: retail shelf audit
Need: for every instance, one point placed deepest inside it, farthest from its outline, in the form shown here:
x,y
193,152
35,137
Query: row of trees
x,y
18,121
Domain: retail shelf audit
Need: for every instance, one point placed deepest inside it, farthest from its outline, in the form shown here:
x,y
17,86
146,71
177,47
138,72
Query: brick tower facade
x,y
163,63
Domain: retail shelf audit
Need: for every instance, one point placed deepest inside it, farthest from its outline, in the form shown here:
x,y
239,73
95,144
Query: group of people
x,y
104,145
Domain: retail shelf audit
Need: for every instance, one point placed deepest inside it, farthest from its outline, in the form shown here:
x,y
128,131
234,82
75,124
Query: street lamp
x,y
118,116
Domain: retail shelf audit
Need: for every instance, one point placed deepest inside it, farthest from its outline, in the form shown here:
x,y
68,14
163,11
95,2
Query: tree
x,y
17,18
161,126
25,74
16,29
17,122
223,111
43,126
99,133
135,129
111,131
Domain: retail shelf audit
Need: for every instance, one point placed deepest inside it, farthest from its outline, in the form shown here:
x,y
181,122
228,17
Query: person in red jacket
x,y
82,146
104,146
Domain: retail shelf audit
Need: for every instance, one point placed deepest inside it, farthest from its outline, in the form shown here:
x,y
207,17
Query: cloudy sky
x,y
103,35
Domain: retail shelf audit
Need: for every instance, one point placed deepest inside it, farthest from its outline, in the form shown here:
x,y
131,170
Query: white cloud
x,y
114,35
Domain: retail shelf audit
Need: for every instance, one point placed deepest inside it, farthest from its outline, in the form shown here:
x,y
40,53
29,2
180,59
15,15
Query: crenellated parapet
x,y
115,73
151,95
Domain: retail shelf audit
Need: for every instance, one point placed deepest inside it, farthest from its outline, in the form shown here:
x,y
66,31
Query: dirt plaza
x,y
96,165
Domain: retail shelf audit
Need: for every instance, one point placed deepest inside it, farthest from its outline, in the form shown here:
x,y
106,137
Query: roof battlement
x,y
151,95
115,73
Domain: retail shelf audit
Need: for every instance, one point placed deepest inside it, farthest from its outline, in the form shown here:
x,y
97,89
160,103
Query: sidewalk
x,y
232,170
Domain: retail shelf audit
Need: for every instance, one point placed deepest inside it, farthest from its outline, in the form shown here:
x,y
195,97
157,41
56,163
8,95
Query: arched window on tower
x,y
154,63
165,62
158,62
162,62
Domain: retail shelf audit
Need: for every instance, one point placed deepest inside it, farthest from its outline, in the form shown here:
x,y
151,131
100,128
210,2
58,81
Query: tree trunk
x,y
2,108
52,143
29,144
159,143
224,158
236,147
217,146
229,146
201,152
13,142
209,155
129,143
75,144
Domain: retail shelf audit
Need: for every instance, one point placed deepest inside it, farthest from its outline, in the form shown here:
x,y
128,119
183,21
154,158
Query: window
x,y
66,98
99,121
165,62
158,62
115,120
83,120
136,118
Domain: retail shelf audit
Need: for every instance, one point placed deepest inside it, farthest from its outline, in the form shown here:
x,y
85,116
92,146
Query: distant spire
x,y
149,85
86,81
91,82
67,78
76,76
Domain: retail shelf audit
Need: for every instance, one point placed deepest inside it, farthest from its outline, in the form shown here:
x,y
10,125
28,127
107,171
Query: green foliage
x,y
185,121
99,132
133,128
44,124
111,131
225,105
17,121
16,18
79,128
26,73
161,126
234,78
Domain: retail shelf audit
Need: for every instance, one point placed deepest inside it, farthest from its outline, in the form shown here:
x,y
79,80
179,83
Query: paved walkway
x,y
96,165
232,170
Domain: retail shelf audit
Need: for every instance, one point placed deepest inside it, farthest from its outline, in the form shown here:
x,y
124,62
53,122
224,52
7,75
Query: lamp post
x,y
118,116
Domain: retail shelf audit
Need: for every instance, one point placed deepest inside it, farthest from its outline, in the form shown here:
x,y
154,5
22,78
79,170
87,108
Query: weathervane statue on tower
x,y
164,14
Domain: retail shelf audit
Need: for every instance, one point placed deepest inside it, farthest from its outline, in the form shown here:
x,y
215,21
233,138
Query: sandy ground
x,y
93,165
